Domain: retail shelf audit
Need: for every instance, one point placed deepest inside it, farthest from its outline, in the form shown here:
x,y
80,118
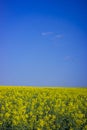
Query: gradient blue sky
x,y
43,42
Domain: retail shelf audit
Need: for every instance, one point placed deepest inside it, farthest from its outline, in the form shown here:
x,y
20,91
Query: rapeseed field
x,y
36,108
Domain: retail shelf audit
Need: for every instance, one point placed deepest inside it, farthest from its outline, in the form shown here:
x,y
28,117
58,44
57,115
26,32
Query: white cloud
x,y
46,33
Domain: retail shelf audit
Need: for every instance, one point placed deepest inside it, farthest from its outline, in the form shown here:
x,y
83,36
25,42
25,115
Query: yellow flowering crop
x,y
35,108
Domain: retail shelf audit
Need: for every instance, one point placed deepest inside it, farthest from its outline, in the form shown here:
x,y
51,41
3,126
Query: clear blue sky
x,y
43,42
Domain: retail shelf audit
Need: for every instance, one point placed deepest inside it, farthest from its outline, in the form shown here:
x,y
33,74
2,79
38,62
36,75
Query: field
x,y
34,108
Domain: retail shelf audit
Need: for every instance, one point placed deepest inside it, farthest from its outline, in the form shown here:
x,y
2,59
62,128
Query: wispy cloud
x,y
67,58
54,36
59,36
46,33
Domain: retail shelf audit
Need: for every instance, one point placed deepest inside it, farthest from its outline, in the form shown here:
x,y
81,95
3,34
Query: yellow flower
x,y
14,122
39,129
0,123
7,115
31,113
41,122
85,127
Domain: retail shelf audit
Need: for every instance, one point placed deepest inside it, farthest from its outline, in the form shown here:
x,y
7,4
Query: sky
x,y
43,42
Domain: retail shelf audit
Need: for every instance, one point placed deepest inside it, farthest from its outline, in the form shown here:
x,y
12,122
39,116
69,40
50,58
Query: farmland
x,y
36,108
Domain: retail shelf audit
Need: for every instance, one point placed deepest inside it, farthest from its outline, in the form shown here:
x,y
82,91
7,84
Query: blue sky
x,y
43,42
